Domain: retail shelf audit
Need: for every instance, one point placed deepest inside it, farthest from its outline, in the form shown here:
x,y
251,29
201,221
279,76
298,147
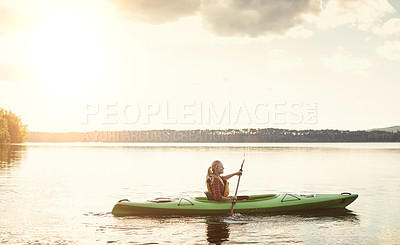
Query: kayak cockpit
x,y
248,198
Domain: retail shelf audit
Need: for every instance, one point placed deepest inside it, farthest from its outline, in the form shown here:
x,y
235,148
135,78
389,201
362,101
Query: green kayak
x,y
267,203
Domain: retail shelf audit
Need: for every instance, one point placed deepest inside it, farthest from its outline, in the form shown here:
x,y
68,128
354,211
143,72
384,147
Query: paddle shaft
x,y
237,187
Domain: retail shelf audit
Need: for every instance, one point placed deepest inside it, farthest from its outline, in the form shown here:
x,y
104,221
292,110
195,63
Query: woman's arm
x,y
228,198
231,175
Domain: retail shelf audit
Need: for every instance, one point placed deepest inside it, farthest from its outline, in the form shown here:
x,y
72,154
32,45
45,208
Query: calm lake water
x,y
64,193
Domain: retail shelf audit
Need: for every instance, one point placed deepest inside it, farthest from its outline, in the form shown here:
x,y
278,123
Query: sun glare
x,y
66,52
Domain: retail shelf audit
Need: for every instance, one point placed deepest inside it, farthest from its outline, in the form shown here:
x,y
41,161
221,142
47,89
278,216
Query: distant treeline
x,y
12,130
228,135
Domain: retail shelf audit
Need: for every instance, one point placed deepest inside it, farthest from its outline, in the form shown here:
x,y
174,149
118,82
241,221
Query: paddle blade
x,y
233,205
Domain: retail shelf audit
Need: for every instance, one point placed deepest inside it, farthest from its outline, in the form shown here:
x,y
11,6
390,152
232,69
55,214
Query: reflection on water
x,y
276,228
343,214
10,155
217,230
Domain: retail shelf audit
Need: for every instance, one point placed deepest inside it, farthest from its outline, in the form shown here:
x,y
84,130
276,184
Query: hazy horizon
x,y
122,130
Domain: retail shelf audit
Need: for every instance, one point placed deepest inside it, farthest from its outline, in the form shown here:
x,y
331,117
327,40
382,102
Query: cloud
x,y
390,50
362,14
156,11
279,61
390,27
299,32
347,63
225,17
255,17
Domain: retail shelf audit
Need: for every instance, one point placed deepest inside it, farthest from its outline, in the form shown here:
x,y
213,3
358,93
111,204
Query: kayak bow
x,y
266,203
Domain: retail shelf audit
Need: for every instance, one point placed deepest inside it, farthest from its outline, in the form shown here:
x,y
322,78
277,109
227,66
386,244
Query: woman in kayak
x,y
217,185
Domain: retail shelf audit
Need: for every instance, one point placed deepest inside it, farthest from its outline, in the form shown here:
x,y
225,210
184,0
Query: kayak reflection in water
x,y
217,185
217,231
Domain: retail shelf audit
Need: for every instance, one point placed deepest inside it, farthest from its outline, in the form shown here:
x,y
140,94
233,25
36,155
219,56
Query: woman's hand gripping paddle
x,y
237,187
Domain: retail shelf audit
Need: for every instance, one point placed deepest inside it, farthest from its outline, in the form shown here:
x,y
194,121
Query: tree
x,y
4,134
12,130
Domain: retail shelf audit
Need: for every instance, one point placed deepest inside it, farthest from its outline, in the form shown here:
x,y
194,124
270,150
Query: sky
x,y
200,64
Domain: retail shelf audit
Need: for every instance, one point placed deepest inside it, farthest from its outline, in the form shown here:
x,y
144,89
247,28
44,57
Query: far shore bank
x,y
269,135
